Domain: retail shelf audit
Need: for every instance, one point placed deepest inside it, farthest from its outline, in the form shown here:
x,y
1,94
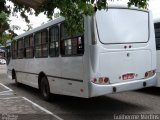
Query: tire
x,y
15,78
45,89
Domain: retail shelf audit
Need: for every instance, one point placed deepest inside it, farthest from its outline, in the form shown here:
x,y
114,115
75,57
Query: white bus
x,y
115,53
157,36
8,51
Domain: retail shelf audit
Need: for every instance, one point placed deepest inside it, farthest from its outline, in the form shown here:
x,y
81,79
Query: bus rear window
x,y
122,26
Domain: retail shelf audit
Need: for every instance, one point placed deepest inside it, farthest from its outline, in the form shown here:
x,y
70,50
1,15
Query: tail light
x,y
106,80
149,73
101,80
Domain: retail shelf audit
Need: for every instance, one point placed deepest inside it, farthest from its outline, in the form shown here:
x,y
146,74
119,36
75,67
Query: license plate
x,y
128,76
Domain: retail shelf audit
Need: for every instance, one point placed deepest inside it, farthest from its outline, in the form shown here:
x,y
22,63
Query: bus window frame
x,y
14,50
29,46
57,52
69,37
157,39
41,44
20,49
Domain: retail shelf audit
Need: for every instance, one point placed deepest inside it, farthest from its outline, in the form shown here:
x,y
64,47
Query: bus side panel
x,y
158,68
152,42
75,71
157,36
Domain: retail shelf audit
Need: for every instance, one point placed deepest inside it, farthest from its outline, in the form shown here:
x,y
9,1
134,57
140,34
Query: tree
x,y
4,37
4,25
3,22
29,27
72,10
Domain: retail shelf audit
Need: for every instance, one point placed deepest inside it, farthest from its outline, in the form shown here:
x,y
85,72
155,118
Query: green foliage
x,y
4,25
18,8
4,37
3,7
3,22
138,3
73,10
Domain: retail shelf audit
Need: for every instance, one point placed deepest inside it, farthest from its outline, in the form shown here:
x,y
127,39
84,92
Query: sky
x,y
36,21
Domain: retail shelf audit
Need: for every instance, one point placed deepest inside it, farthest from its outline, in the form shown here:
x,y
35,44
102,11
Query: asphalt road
x,y
108,107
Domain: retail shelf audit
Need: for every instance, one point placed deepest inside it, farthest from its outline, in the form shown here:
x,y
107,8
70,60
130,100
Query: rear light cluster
x,y
101,80
149,73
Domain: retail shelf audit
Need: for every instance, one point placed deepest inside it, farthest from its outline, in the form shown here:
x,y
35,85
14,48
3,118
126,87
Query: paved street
x,y
146,101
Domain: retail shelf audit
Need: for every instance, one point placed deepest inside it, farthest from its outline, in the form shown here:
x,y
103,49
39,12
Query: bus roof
x,y
113,5
156,20
60,19
50,23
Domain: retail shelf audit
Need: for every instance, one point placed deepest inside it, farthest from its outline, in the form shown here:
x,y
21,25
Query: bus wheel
x,y
15,78
45,89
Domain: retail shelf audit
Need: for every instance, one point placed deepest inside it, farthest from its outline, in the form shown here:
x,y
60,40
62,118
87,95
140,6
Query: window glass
x,y
121,29
14,49
44,50
31,41
20,48
26,43
74,46
44,37
14,45
41,44
38,38
38,52
54,42
64,33
71,46
157,35
29,47
8,52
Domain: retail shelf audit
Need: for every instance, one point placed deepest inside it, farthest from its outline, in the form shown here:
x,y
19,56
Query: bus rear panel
x,y
124,56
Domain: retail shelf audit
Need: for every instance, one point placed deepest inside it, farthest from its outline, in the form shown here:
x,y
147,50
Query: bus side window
x,y
20,48
14,49
157,35
8,52
71,46
54,42
29,47
41,44
80,48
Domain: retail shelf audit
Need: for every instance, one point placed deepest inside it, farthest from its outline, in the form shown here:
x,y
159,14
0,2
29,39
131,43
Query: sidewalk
x,y
20,108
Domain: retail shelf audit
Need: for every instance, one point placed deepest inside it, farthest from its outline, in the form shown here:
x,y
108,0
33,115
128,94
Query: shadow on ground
x,y
100,108
150,90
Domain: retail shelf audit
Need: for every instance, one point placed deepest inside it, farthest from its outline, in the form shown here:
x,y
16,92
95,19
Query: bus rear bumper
x,y
97,90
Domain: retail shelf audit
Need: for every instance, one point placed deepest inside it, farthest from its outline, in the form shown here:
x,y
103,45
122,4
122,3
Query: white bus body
x,y
157,36
118,54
